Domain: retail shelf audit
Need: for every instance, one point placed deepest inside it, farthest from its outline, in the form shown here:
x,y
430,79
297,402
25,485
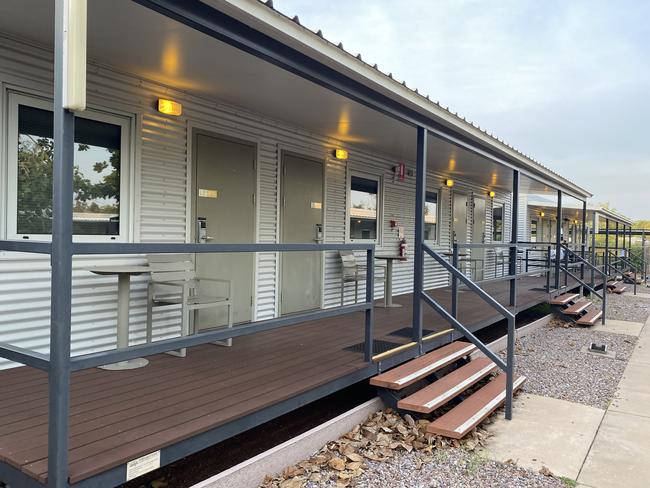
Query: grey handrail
x,y
508,366
629,264
592,287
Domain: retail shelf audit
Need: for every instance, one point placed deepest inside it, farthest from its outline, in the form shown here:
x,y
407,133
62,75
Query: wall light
x,y
491,194
340,154
449,183
541,214
169,107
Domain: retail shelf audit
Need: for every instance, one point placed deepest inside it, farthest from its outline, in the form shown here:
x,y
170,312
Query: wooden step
x,y
449,386
591,317
618,289
464,417
418,368
577,308
564,299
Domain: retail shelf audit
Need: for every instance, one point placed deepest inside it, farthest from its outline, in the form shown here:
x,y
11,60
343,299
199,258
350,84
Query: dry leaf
x,y
337,464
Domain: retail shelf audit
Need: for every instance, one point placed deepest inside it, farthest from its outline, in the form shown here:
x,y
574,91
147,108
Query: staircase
x,y
578,309
616,285
433,380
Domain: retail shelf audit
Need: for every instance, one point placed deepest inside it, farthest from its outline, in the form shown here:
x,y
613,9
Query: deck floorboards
x,y
117,416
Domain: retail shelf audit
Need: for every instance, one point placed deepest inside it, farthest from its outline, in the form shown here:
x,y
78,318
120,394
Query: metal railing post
x,y
61,266
510,370
370,312
548,270
514,236
418,265
566,266
454,283
558,240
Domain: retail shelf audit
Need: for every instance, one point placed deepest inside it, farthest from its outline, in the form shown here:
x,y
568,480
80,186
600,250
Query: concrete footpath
x,y
620,453
598,448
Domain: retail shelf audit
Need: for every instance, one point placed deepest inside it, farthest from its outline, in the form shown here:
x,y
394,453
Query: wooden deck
x,y
117,416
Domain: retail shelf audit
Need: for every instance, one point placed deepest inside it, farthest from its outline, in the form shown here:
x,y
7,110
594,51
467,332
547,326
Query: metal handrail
x,y
621,259
592,287
508,365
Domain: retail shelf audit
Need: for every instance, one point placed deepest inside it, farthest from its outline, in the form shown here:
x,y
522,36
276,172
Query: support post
x,y
61,262
514,237
583,239
593,249
370,313
616,241
606,258
418,271
558,239
454,282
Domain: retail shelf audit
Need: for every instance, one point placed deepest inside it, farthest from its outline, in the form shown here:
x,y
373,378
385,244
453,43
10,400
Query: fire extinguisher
x,y
402,248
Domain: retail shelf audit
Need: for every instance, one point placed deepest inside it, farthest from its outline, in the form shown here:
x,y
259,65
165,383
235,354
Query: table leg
x,y
123,299
388,286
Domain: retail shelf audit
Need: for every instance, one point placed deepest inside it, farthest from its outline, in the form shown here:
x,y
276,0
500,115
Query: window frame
x,y
126,123
503,217
380,203
435,191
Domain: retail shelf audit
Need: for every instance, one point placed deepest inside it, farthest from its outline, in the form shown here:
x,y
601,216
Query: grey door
x,y
301,221
460,226
224,188
478,236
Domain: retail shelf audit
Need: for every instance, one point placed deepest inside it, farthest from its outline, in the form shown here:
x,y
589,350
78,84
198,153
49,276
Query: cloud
x,y
566,82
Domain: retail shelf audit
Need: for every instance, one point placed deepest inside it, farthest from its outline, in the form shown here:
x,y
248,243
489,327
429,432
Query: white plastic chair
x,y
174,282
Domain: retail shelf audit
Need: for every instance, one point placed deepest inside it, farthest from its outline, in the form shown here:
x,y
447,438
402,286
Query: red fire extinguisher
x,y
402,248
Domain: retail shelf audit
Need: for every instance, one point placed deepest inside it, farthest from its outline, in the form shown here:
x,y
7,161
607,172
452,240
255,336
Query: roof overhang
x,y
283,29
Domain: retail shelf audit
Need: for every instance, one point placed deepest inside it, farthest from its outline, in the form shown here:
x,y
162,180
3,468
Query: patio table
x,y
388,279
123,274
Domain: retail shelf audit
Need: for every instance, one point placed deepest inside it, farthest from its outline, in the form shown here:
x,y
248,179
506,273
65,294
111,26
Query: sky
x,y
566,82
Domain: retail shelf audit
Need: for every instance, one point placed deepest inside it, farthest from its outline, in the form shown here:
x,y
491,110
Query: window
x,y
364,200
431,216
533,231
497,222
100,154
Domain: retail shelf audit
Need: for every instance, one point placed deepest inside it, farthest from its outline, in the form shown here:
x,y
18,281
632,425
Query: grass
x,y
568,481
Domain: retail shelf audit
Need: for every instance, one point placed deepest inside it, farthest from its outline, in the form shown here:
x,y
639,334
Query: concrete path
x,y
598,448
620,454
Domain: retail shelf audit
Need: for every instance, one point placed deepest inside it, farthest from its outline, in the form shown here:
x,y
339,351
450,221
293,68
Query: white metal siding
x,y
161,174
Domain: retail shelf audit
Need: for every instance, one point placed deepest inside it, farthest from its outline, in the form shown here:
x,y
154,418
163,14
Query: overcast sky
x,y
567,82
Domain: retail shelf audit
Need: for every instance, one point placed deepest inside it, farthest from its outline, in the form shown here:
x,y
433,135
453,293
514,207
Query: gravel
x,y
626,306
448,468
554,360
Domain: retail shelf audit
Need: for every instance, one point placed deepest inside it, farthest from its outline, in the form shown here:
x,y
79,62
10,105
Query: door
x,y
224,189
460,225
301,221
478,236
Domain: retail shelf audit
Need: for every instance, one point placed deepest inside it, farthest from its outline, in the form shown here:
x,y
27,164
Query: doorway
x,y
225,179
478,237
301,221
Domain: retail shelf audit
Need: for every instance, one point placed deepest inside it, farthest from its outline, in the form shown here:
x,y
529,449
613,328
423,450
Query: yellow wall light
x,y
491,194
449,183
169,107
541,214
340,154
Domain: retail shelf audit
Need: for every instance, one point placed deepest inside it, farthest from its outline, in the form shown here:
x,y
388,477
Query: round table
x,y
123,274
388,279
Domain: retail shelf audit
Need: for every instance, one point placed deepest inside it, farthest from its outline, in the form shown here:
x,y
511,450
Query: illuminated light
x,y
491,194
340,154
452,164
169,107
449,183
541,214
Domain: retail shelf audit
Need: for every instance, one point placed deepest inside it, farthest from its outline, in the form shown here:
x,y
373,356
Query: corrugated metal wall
x,y
160,178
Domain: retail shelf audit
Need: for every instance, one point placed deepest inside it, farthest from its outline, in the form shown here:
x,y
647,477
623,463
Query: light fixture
x,y
449,183
340,154
575,221
169,107
541,214
491,194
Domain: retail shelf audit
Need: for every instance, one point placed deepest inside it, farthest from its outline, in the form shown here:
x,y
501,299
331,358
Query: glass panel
x,y
497,223
96,174
430,216
363,208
